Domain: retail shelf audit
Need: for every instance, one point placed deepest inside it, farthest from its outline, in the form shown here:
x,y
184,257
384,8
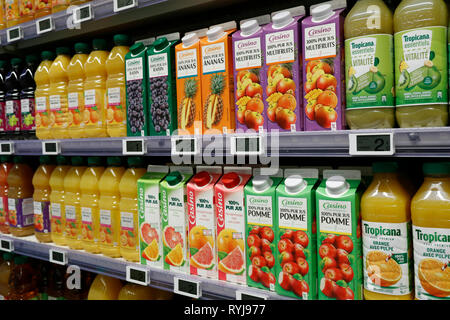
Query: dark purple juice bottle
x,y
27,85
3,71
12,97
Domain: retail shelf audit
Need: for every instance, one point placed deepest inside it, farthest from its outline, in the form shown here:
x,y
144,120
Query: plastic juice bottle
x,y
5,271
95,91
116,125
3,71
72,210
109,207
90,211
129,232
43,280
82,292
370,79
421,63
26,10
20,198
132,291
57,283
59,5
23,280
41,197
75,90
58,94
28,87
12,96
43,8
388,267
104,288
42,80
12,13
57,197
5,166
430,212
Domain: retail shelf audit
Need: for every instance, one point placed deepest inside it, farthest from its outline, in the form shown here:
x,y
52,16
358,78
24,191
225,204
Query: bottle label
x,y
87,229
369,66
71,222
320,41
56,221
213,58
134,69
388,257
421,66
106,234
41,216
116,102
13,115
128,230
431,263
158,65
93,103
21,212
293,213
335,217
247,54
75,114
12,10
280,47
259,210
28,115
187,63
2,116
26,8
4,220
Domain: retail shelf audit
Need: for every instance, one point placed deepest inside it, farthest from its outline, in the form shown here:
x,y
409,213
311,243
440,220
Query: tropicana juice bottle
x,y
90,212
57,196
95,91
75,90
420,38
58,94
5,166
109,207
430,212
41,197
71,211
42,80
116,125
387,250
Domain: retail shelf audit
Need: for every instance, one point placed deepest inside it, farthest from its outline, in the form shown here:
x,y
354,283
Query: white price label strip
x,y
58,256
189,288
137,275
371,144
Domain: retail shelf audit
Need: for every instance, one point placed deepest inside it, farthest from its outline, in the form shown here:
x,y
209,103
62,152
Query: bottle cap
x,y
81,47
2,63
94,161
230,180
114,161
336,185
18,159
261,183
31,58
47,55
99,44
61,160
121,40
384,167
137,47
436,168
20,259
62,50
189,39
77,161
8,256
249,27
322,12
44,159
5,159
282,19
174,178
294,183
215,33
16,62
202,178
161,43
135,162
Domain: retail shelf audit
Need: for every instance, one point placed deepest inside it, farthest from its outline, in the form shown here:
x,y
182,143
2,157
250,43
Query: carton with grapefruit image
x,y
150,236
202,221
230,217
174,220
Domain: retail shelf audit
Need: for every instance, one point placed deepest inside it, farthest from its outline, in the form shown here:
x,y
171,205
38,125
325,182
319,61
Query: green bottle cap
x,y
121,40
99,44
61,160
436,168
44,159
77,161
5,159
20,259
31,58
2,63
63,50
385,167
18,159
114,161
137,47
8,256
161,43
94,161
81,47
174,178
47,55
16,62
135,162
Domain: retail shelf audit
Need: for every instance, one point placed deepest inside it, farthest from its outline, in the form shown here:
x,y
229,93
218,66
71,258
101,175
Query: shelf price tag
x,y
6,245
188,145
14,34
137,275
45,25
189,288
133,147
51,147
7,148
82,14
247,145
58,256
120,5
243,295
371,144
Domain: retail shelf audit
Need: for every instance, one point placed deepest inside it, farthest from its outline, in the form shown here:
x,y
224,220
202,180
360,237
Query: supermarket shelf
x,y
162,279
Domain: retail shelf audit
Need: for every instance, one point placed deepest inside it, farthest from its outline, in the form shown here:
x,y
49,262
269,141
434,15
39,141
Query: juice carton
x,y
230,217
248,66
150,241
174,221
202,221
339,235
161,85
189,89
295,234
261,210
323,54
282,74
217,79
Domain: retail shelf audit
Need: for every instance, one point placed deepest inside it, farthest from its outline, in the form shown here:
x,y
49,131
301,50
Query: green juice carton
x,y
339,235
295,234
174,220
150,240
261,209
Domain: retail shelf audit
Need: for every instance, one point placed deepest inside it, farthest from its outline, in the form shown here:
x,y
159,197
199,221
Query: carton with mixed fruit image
x,y
323,54
230,217
150,240
202,221
174,220
295,234
261,208
248,63
339,235
282,77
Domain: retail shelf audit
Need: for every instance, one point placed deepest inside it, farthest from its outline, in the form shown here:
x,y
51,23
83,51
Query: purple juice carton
x,y
282,74
323,67
248,67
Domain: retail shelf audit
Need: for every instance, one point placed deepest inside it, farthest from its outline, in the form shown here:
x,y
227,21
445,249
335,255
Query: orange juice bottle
x,y
129,232
59,5
95,91
75,90
90,212
42,79
5,271
5,166
132,291
57,195
58,94
109,207
12,13
72,210
116,125
386,231
104,288
26,9
23,280
430,212
41,197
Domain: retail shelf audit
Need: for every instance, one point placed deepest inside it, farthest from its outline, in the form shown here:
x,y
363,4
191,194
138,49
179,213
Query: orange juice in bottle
x,y
104,288
109,207
90,211
41,197
57,195
386,231
42,79
75,90
115,87
59,5
5,166
72,210
43,8
12,13
26,9
58,94
129,232
95,91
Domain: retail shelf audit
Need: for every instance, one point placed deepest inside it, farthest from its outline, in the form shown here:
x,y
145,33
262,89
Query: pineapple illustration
x,y
213,108
186,111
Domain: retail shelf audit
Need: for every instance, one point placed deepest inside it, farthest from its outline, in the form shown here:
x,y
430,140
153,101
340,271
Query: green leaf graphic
x,y
222,255
193,251
131,234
